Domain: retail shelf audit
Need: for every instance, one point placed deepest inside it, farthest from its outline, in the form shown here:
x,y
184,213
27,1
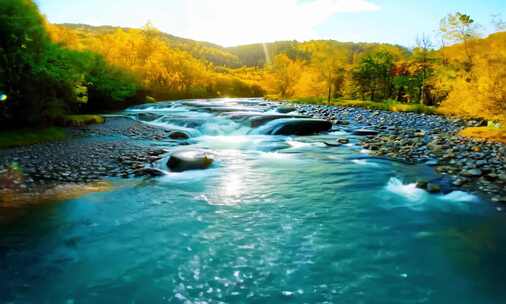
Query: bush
x,y
45,81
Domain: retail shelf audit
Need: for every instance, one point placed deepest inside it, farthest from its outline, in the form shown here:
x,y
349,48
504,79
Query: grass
x,y
388,105
485,133
82,120
25,137
16,138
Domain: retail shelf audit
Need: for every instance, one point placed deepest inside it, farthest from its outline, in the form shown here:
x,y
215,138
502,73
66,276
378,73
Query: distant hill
x,y
251,55
210,52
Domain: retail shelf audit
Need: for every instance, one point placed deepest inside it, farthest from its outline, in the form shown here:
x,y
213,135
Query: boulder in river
x,y
422,184
152,172
433,188
190,160
286,109
295,126
179,135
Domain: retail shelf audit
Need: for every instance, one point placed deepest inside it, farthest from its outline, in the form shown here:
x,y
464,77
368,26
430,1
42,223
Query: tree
x,y
373,75
423,61
330,60
460,28
287,73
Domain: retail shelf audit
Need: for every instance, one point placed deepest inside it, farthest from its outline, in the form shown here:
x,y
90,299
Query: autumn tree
x,y
460,28
330,60
287,73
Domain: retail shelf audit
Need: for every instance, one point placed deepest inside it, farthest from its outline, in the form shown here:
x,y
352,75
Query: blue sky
x,y
234,22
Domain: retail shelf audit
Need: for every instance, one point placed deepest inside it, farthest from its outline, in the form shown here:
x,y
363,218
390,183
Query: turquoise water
x,y
276,220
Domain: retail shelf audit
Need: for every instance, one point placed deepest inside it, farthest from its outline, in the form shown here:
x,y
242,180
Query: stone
x,y
433,188
343,141
152,172
459,182
421,184
472,173
364,132
179,135
420,133
286,109
190,160
341,122
432,163
499,199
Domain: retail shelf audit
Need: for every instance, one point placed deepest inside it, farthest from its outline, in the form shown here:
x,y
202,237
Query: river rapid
x,y
276,219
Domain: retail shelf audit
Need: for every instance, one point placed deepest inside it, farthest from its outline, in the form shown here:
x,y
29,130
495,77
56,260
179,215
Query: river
x,y
276,219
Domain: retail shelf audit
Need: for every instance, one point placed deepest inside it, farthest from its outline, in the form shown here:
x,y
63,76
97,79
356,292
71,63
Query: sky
x,y
237,22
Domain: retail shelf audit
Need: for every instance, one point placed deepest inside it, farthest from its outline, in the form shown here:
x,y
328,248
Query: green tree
x,y
373,75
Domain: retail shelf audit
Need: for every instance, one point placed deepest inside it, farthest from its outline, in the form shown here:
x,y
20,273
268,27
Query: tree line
x,y
47,71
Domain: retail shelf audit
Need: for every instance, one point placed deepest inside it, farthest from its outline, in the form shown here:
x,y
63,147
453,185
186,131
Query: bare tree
x,y
460,28
422,53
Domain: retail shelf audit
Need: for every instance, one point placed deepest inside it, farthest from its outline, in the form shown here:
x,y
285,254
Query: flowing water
x,y
276,220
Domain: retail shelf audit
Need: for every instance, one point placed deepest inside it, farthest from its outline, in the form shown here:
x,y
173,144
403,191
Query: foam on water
x,y
188,177
170,126
364,162
295,145
408,191
232,142
460,196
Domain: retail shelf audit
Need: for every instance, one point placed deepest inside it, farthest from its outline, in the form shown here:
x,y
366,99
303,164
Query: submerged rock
x,y
422,184
179,135
286,109
152,172
190,160
433,188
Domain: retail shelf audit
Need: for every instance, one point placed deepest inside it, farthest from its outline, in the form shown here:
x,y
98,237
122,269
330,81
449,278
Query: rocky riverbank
x,y
114,149
475,166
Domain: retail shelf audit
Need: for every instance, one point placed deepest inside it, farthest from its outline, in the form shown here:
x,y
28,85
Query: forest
x,y
48,70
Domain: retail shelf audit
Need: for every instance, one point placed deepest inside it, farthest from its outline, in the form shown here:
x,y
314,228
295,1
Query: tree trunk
x,y
329,96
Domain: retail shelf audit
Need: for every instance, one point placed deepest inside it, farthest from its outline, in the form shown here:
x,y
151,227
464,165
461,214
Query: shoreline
x,y
462,163
118,149
91,155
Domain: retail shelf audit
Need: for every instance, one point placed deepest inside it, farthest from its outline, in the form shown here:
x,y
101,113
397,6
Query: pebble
x,y
91,154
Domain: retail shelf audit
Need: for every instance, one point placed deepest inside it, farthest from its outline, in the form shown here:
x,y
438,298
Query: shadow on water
x,y
475,248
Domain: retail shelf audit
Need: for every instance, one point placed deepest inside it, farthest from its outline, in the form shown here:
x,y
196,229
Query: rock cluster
x,y
114,149
413,138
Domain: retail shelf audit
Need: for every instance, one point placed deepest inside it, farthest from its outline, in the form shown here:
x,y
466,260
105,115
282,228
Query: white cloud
x,y
233,22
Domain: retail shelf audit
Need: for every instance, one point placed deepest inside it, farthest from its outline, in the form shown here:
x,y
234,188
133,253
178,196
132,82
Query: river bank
x,y
476,166
89,155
